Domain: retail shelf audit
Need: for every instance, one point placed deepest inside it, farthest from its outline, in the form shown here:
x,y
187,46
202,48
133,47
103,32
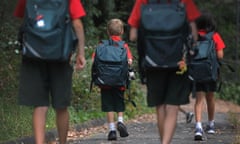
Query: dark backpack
x,y
47,32
110,66
163,33
203,66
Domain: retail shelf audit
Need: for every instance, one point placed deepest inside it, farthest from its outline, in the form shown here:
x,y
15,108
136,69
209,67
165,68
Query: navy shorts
x,y
43,83
166,87
112,100
206,86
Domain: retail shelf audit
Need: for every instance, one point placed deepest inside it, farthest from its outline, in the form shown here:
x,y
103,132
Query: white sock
x,y
199,125
112,127
120,119
211,123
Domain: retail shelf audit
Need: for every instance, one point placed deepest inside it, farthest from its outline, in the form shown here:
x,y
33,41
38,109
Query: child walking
x,y
112,98
205,24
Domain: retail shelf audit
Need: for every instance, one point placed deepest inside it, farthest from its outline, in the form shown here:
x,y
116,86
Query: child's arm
x,y
130,61
194,31
220,45
133,34
80,59
129,54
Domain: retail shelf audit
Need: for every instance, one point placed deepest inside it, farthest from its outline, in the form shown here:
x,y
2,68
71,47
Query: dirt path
x,y
143,129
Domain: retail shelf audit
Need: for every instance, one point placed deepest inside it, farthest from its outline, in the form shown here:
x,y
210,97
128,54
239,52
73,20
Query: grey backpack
x,y
110,66
47,30
203,66
163,32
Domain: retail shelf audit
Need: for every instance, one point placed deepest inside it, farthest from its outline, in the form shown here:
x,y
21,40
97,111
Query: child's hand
x,y
182,67
130,61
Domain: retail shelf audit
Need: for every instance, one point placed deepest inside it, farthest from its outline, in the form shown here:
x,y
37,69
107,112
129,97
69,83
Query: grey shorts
x,y
43,83
166,87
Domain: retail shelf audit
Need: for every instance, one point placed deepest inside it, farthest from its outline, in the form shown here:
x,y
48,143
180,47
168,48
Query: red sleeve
x,y
75,6
135,14
192,10
93,55
76,9
20,8
129,54
218,41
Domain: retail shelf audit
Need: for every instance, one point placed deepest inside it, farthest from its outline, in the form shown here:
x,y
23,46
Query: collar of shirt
x,y
202,32
116,38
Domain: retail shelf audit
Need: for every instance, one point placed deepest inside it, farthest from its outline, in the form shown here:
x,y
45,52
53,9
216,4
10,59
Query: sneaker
x,y
189,117
210,129
112,135
198,134
122,129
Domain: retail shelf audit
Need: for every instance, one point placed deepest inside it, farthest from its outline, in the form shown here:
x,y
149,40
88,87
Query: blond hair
x,y
115,27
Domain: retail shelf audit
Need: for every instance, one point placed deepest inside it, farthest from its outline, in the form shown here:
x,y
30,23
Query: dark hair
x,y
206,21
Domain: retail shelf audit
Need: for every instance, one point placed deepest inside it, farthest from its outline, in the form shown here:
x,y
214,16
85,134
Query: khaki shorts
x,y
43,83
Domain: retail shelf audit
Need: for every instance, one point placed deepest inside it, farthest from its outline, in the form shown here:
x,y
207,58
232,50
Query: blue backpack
x,y
204,65
47,32
110,66
163,32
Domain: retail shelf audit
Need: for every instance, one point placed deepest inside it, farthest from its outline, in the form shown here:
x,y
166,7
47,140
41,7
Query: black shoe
x,y
112,135
189,117
122,129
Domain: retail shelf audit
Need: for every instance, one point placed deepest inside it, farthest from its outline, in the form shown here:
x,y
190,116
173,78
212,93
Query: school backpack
x,y
203,66
164,29
110,66
47,32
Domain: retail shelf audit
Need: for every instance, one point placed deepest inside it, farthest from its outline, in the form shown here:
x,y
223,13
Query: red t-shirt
x,y
219,43
76,9
134,19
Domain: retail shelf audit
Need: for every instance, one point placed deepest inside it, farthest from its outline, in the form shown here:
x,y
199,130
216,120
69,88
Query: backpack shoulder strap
x,y
209,35
121,43
104,42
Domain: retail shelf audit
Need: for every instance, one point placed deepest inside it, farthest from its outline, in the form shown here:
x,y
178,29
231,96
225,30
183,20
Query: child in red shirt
x,y
112,98
205,24
39,79
165,90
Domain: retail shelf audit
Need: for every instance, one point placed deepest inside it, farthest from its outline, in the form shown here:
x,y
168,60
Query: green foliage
x,y
99,12
91,31
230,91
15,121
81,116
